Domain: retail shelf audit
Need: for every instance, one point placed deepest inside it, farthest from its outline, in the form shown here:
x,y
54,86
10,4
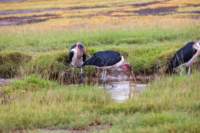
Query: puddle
x,y
123,90
4,81
119,91
157,11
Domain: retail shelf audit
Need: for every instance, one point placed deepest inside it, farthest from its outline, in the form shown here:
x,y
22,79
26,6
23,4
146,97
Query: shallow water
x,y
4,81
121,91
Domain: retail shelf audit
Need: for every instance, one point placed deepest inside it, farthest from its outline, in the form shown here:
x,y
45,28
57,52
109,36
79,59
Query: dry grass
x,y
87,15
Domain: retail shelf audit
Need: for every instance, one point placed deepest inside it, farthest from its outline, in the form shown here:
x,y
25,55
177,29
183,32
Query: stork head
x,y
197,46
77,54
80,49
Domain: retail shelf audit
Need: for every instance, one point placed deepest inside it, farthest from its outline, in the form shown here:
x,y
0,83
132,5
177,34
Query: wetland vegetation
x,y
44,96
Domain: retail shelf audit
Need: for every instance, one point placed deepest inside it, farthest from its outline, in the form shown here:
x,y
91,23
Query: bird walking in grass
x,y
185,56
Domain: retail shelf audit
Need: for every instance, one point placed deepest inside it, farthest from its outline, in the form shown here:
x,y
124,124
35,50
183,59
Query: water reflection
x,y
4,81
119,91
120,87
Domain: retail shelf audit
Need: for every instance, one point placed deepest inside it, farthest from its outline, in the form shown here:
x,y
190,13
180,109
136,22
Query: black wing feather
x,y
104,58
71,54
84,57
182,56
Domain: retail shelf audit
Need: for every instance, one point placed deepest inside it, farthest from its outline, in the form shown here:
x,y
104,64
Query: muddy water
x,y
4,81
120,87
121,91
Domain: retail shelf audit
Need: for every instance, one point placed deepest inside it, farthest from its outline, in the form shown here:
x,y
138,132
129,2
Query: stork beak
x,y
126,67
81,48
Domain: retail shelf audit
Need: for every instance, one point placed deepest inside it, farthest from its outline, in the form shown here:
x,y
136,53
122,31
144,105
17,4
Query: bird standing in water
x,y
185,56
108,60
77,56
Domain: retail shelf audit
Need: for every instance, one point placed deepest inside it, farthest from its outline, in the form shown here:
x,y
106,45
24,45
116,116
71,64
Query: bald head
x,y
77,54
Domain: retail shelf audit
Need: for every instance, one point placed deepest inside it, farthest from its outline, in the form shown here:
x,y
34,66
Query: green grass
x,y
169,105
146,49
38,53
56,40
11,63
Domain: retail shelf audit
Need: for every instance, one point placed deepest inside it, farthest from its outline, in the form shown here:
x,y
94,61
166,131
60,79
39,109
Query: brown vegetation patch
x,y
157,11
12,0
89,129
196,17
142,4
13,20
86,7
10,63
49,10
29,11
193,5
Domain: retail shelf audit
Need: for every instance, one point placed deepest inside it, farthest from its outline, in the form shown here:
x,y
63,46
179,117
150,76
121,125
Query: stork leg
x,y
104,75
182,70
188,70
81,76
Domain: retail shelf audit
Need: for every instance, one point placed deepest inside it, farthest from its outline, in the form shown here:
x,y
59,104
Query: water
x,y
4,81
121,91
120,87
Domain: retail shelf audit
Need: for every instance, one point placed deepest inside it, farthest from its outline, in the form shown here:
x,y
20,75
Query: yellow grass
x,y
101,17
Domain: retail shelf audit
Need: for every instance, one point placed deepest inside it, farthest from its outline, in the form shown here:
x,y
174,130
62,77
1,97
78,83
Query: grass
x,y
169,105
38,52
145,49
56,40
11,63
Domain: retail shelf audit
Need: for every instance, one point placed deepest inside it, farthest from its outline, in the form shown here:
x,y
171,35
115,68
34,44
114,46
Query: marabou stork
x,y
108,60
77,56
185,56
